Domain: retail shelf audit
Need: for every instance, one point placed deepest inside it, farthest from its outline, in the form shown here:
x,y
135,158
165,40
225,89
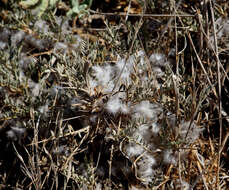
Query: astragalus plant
x,y
128,105
144,131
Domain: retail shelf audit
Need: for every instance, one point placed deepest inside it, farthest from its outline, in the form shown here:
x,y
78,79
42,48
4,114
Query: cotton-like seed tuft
x,y
145,168
16,133
182,185
133,150
155,128
189,133
92,84
43,109
3,45
146,110
35,87
17,37
56,90
143,133
25,62
103,76
169,157
115,105
126,68
98,186
64,25
158,59
157,71
4,34
124,109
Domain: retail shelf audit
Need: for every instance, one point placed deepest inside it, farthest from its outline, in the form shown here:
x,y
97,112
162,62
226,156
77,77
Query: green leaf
x,y
78,9
52,3
42,7
28,3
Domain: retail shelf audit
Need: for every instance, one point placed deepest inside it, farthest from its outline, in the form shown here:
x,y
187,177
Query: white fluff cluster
x,y
116,105
158,61
169,157
64,25
35,88
16,132
125,69
146,110
61,150
44,109
222,27
103,77
189,132
145,141
106,76
20,36
17,37
4,36
25,62
142,147
182,185
3,45
133,150
145,148
145,168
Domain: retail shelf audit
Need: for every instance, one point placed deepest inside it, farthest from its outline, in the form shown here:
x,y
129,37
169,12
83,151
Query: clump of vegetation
x,y
130,100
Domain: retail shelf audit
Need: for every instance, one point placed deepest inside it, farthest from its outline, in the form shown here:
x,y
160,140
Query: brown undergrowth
x,y
124,95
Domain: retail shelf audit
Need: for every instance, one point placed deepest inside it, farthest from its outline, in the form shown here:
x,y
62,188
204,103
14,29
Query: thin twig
x,y
219,95
141,15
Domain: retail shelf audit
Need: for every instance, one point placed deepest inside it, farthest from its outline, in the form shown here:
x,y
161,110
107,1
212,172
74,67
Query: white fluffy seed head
x,y
133,150
182,185
35,88
145,168
115,105
98,71
146,110
155,128
158,59
169,157
92,84
44,109
189,133
142,134
17,37
158,72
149,159
126,67
104,77
3,45
16,133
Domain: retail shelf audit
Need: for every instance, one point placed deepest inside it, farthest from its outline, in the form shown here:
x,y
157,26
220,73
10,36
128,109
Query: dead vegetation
x,y
114,95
